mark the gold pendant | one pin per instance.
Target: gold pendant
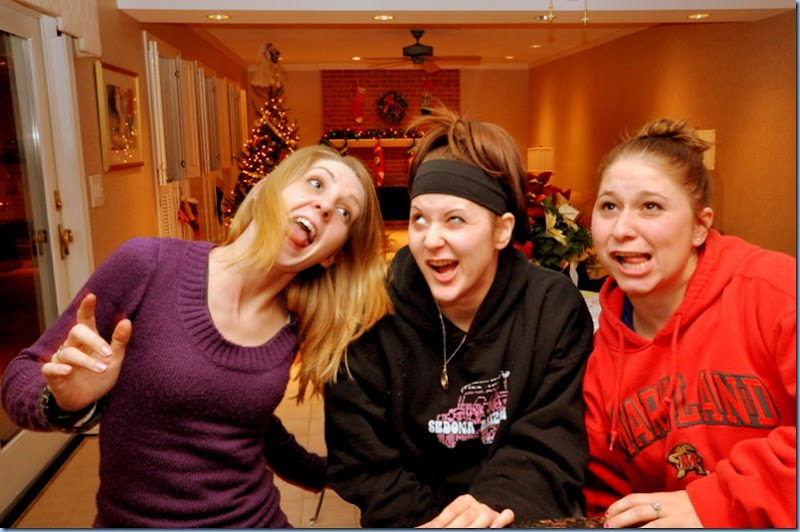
(443, 379)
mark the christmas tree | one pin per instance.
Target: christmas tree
(273, 137)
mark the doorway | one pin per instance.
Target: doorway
(34, 276)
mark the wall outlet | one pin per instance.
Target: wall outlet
(96, 188)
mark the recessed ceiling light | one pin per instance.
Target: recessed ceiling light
(509, 57)
(698, 16)
(356, 58)
(535, 45)
(383, 17)
(218, 16)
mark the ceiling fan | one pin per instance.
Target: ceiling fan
(421, 56)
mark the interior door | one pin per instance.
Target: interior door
(34, 275)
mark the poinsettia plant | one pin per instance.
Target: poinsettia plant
(556, 240)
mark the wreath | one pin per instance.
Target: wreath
(391, 107)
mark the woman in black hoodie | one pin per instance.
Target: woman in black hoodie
(463, 408)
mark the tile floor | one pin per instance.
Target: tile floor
(67, 501)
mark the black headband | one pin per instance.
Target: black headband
(465, 180)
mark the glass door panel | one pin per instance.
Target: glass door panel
(24, 253)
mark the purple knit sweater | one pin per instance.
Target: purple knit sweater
(189, 432)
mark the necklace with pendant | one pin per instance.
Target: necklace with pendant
(443, 378)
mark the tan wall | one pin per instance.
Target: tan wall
(499, 96)
(304, 104)
(738, 79)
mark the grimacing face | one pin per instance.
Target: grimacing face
(645, 230)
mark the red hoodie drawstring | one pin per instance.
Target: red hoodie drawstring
(667, 404)
(615, 399)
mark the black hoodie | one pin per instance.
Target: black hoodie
(509, 429)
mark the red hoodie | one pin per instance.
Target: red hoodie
(708, 405)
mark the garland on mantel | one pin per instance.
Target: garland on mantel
(375, 133)
(369, 134)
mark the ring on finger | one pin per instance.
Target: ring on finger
(657, 507)
(57, 353)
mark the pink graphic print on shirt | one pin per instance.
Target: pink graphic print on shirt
(480, 409)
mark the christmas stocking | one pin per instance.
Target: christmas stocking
(427, 87)
(380, 169)
(358, 103)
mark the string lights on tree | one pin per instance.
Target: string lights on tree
(273, 136)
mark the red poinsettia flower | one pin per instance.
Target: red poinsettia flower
(556, 240)
(535, 211)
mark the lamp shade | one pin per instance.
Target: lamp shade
(540, 159)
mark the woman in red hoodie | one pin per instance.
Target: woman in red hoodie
(691, 389)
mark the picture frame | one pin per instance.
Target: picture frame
(120, 117)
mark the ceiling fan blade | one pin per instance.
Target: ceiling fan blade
(387, 65)
(458, 58)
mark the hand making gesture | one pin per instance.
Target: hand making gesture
(86, 367)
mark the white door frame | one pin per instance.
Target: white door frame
(59, 72)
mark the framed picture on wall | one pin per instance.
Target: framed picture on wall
(118, 110)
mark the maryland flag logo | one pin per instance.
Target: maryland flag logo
(685, 458)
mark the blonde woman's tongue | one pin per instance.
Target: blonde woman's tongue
(301, 234)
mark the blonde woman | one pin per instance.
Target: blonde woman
(184, 350)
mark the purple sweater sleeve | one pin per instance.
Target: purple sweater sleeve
(118, 283)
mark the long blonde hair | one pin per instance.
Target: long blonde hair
(334, 305)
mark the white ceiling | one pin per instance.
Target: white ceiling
(328, 33)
